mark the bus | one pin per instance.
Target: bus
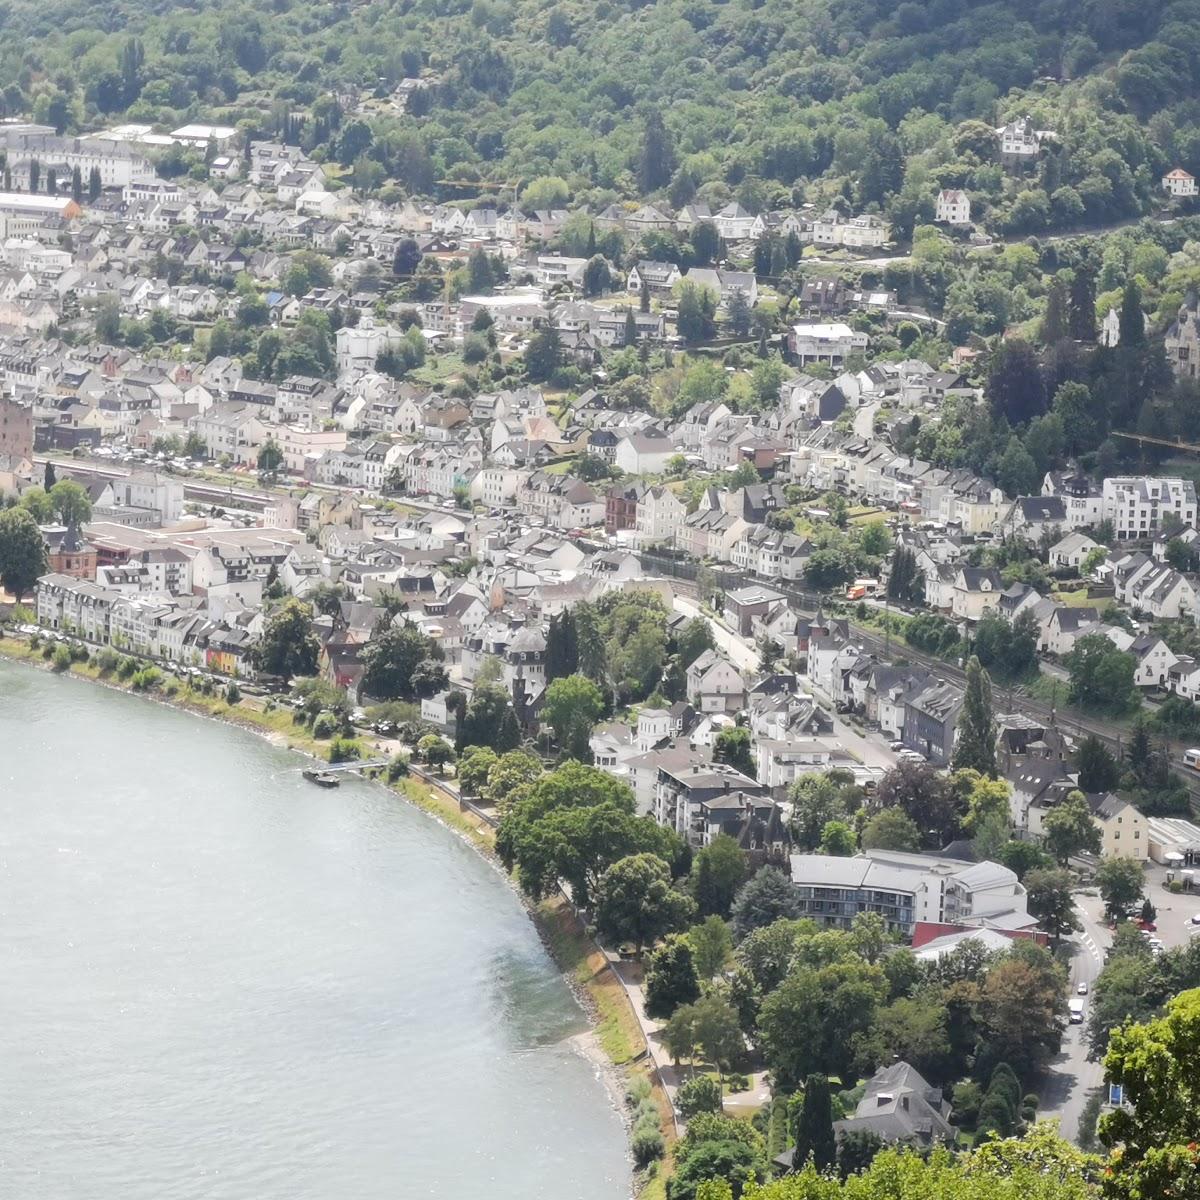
(1075, 1007)
(1191, 758)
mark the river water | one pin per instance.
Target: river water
(218, 981)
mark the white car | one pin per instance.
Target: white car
(1082, 989)
(1196, 918)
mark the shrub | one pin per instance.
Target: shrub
(397, 769)
(170, 687)
(1175, 887)
(48, 650)
(637, 1091)
(647, 1145)
(126, 668)
(737, 1083)
(344, 750)
(62, 658)
(1030, 1100)
(34, 642)
(701, 1094)
(233, 694)
(145, 679)
(107, 661)
(79, 652)
(326, 725)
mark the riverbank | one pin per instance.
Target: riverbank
(614, 1045)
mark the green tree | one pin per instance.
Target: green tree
(543, 354)
(762, 901)
(975, 740)
(1016, 472)
(656, 161)
(701, 1094)
(22, 552)
(696, 309)
(732, 746)
(512, 773)
(474, 764)
(838, 840)
(815, 1140)
(718, 870)
(1121, 882)
(671, 979)
(711, 945)
(1050, 900)
(489, 720)
(1069, 829)
(1098, 769)
(635, 901)
(1154, 1134)
(436, 751)
(288, 646)
(36, 501)
(571, 707)
(890, 829)
(1101, 676)
(71, 503)
(392, 662)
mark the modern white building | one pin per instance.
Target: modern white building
(909, 888)
(1137, 505)
(829, 342)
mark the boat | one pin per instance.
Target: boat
(321, 778)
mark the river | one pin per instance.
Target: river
(218, 981)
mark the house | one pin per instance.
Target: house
(1124, 831)
(714, 684)
(1137, 505)
(976, 592)
(658, 277)
(1154, 659)
(660, 517)
(931, 719)
(645, 453)
(679, 793)
(1032, 517)
(1182, 340)
(829, 343)
(1020, 143)
(1178, 184)
(953, 207)
(743, 605)
(734, 223)
(1068, 553)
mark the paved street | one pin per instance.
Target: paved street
(1072, 1076)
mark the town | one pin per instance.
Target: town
(847, 577)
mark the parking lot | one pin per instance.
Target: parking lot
(1175, 912)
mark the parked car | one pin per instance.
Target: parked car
(1082, 989)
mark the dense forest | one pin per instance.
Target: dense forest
(773, 103)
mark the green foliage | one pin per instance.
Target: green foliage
(701, 1094)
(571, 707)
(22, 551)
(402, 662)
(975, 743)
(288, 646)
(1101, 676)
(732, 746)
(343, 749)
(61, 658)
(815, 1141)
(636, 903)
(718, 870)
(762, 900)
(671, 979)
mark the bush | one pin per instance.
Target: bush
(48, 651)
(126, 668)
(701, 1094)
(79, 652)
(34, 642)
(638, 1090)
(1175, 887)
(344, 750)
(62, 658)
(107, 661)
(145, 679)
(397, 768)
(233, 694)
(647, 1145)
(737, 1083)
(326, 725)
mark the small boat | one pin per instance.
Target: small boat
(322, 778)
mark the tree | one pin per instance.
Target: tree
(656, 162)
(925, 796)
(905, 582)
(890, 829)
(711, 945)
(838, 840)
(37, 503)
(975, 740)
(815, 1138)
(1101, 676)
(696, 312)
(1050, 900)
(543, 354)
(700, 1094)
(1020, 1009)
(1098, 769)
(718, 870)
(636, 902)
(671, 979)
(512, 773)
(288, 645)
(1070, 830)
(407, 258)
(1132, 318)
(562, 646)
(1083, 305)
(762, 901)
(270, 457)
(435, 750)
(1121, 882)
(597, 278)
(391, 662)
(489, 720)
(94, 185)
(571, 707)
(739, 314)
(1056, 316)
(732, 746)
(474, 764)
(71, 502)
(1154, 1134)
(857, 1150)
(1014, 385)
(22, 552)
(716, 1029)
(816, 800)
(76, 185)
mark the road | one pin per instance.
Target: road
(1072, 1076)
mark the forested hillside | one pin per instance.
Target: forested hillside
(773, 102)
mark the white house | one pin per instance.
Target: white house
(953, 207)
(1179, 184)
(1137, 505)
(829, 342)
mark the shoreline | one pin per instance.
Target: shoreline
(612, 1044)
